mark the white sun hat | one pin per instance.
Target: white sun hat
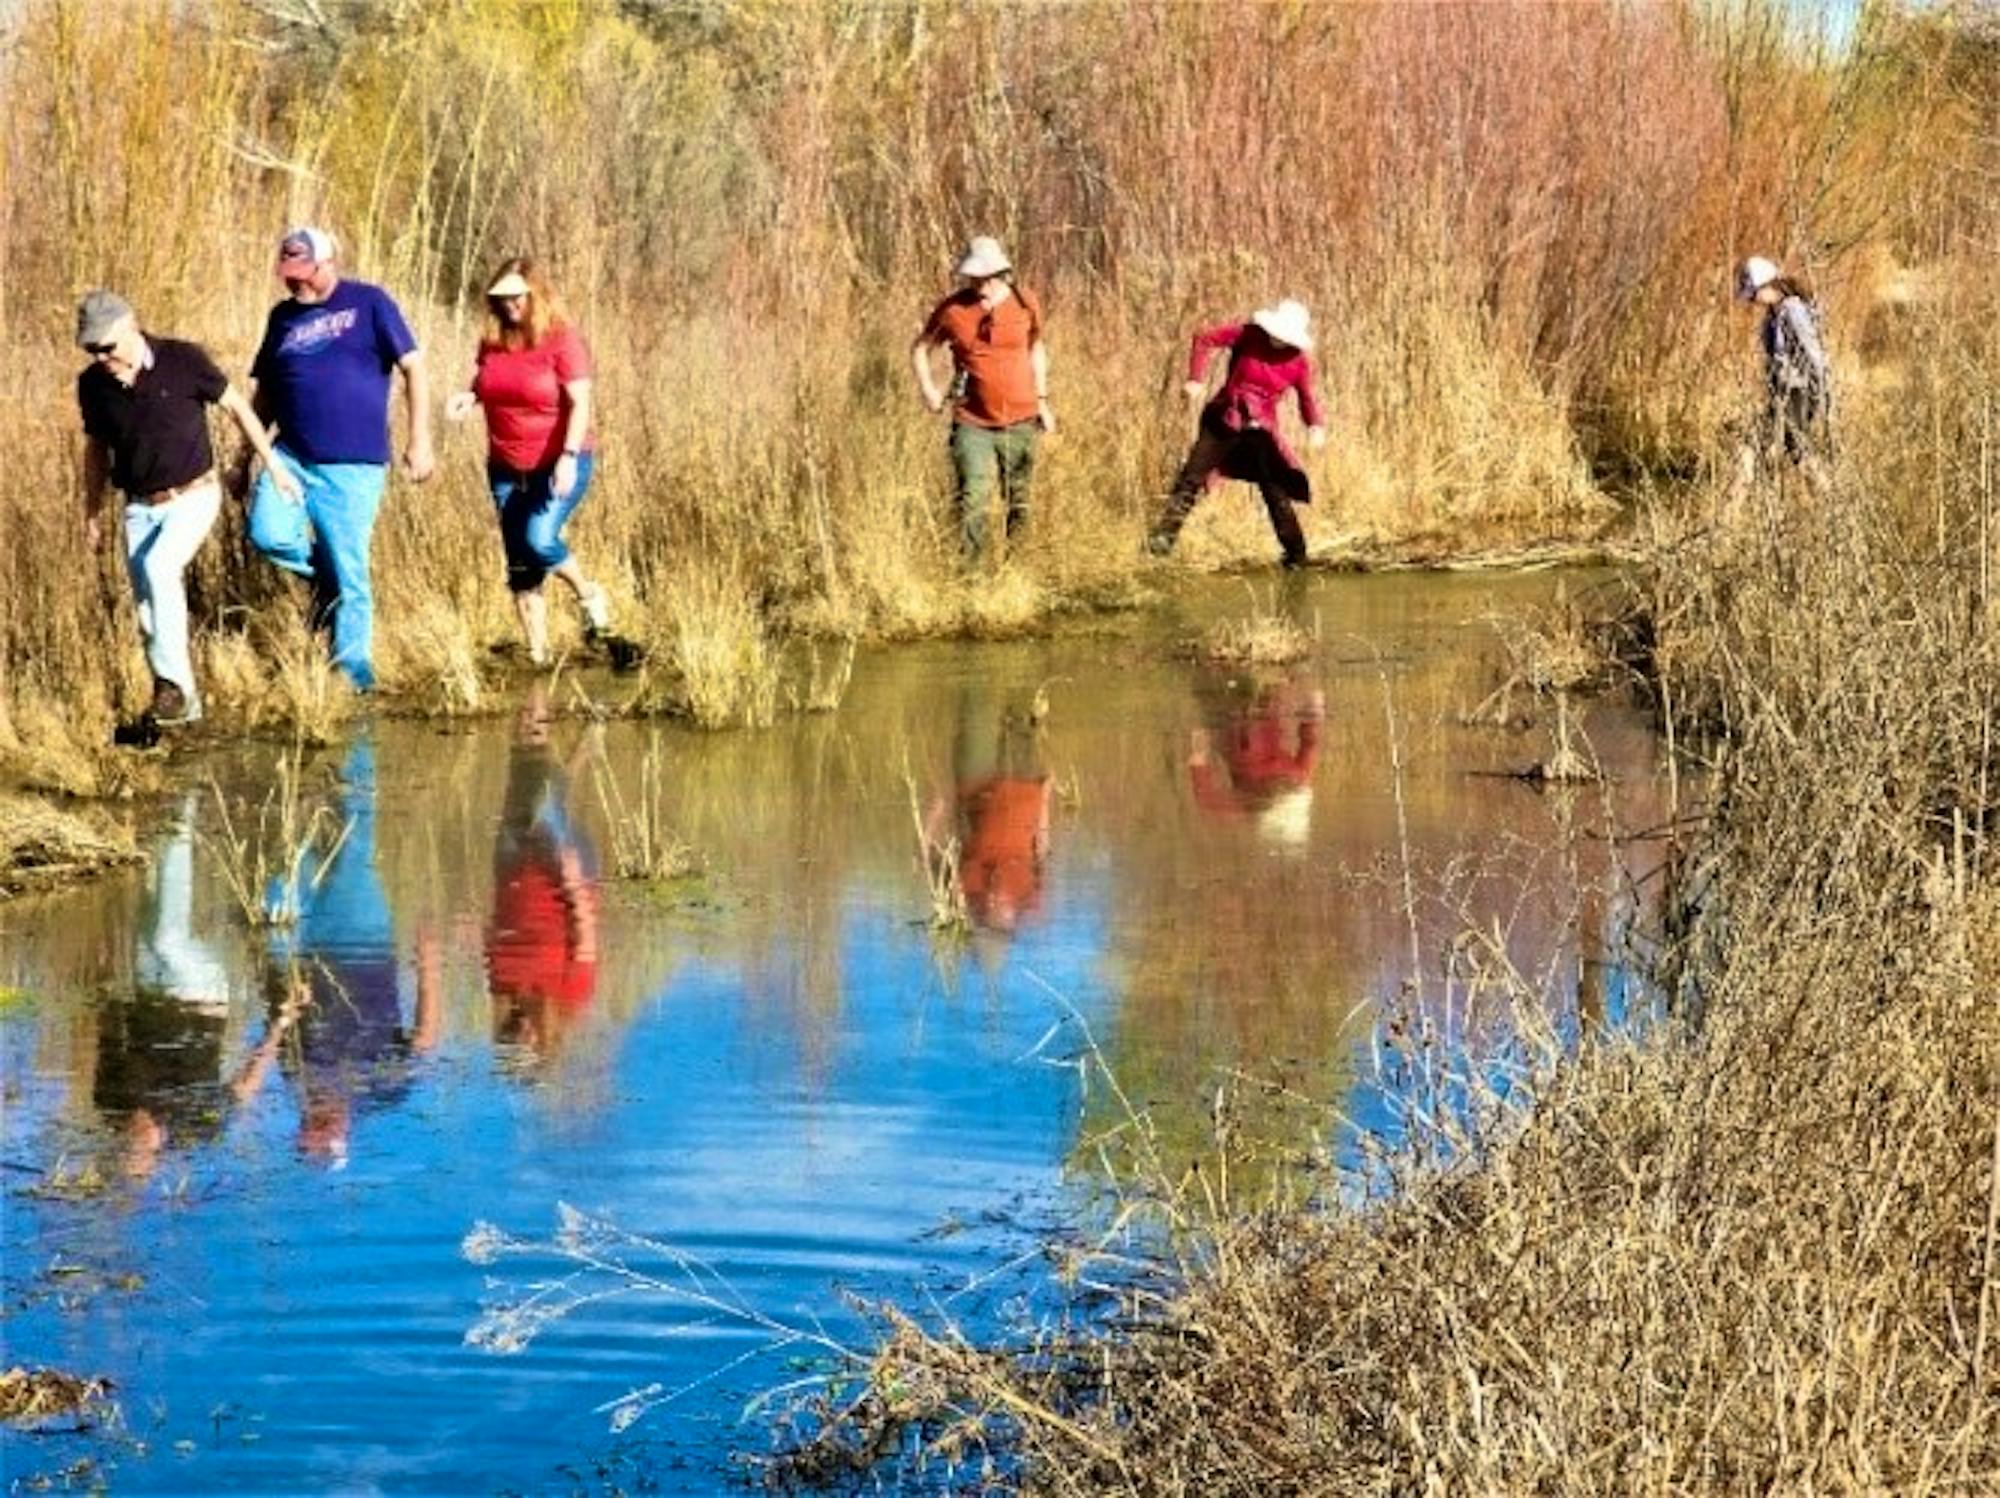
(1288, 322)
(511, 284)
(984, 257)
(1286, 824)
(1753, 276)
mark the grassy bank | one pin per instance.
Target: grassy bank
(1514, 225)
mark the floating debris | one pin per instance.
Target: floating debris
(43, 1393)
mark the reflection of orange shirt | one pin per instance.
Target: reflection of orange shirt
(1261, 763)
(532, 945)
(992, 349)
(1002, 856)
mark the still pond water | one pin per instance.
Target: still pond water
(239, 1172)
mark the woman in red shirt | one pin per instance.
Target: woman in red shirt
(1238, 435)
(533, 380)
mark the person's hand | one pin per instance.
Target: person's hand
(934, 401)
(418, 461)
(93, 531)
(1044, 415)
(286, 482)
(459, 405)
(563, 480)
(1315, 438)
(1195, 391)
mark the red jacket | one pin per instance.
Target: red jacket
(1260, 372)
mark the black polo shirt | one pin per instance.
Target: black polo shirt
(156, 427)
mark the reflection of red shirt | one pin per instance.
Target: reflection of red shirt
(522, 391)
(531, 947)
(1001, 859)
(1261, 763)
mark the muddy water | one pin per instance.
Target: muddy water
(240, 1168)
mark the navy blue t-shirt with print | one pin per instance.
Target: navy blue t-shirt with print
(323, 373)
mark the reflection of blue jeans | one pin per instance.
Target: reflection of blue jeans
(532, 518)
(346, 911)
(327, 539)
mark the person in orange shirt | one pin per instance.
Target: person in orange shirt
(1000, 390)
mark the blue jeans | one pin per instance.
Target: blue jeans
(532, 518)
(327, 539)
(160, 541)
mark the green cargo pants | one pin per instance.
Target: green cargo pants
(979, 455)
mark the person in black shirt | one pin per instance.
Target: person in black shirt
(144, 402)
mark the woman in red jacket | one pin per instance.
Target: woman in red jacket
(533, 380)
(1238, 435)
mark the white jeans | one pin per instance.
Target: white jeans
(171, 958)
(160, 540)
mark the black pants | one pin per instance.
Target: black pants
(1797, 417)
(1251, 454)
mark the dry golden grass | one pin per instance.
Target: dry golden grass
(42, 845)
(1266, 636)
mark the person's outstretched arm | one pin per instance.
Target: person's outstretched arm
(252, 426)
(418, 461)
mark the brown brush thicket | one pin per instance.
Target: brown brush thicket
(1514, 225)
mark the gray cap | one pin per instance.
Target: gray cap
(99, 314)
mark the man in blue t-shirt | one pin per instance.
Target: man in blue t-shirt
(322, 377)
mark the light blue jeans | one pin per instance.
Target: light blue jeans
(160, 540)
(327, 539)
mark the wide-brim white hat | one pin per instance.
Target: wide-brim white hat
(1287, 822)
(983, 257)
(1288, 322)
(1753, 275)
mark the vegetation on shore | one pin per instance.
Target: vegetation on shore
(1514, 226)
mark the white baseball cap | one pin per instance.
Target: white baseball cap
(1753, 276)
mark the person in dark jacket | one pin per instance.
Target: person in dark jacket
(1798, 382)
(145, 403)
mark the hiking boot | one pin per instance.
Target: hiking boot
(596, 610)
(171, 705)
(1158, 545)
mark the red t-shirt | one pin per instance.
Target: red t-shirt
(533, 949)
(522, 391)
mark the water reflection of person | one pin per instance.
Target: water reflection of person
(1002, 794)
(336, 971)
(1254, 754)
(159, 1052)
(541, 942)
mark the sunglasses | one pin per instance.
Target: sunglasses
(99, 350)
